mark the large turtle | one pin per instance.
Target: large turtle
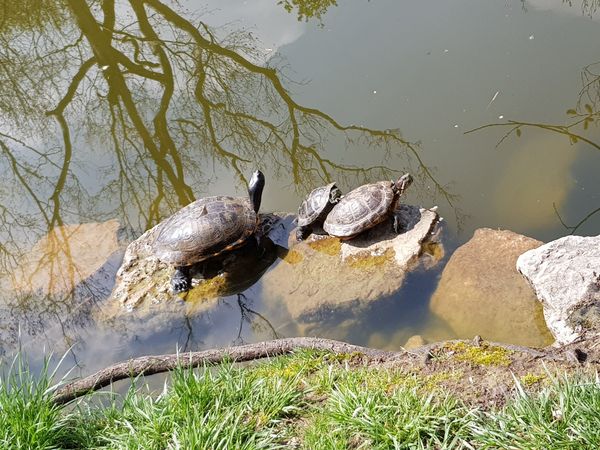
(365, 207)
(315, 207)
(206, 228)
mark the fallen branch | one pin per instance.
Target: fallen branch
(149, 365)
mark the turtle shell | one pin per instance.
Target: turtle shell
(314, 205)
(360, 209)
(204, 228)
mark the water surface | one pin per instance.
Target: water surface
(131, 112)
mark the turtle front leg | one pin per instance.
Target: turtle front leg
(302, 233)
(181, 280)
(260, 245)
(398, 225)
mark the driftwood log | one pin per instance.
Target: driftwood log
(149, 365)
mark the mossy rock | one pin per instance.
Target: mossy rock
(324, 276)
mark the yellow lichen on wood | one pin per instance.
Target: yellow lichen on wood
(437, 379)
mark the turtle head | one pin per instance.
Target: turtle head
(255, 188)
(403, 182)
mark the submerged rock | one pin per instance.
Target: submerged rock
(481, 293)
(395, 341)
(324, 277)
(414, 342)
(68, 256)
(54, 288)
(565, 275)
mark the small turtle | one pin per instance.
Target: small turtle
(315, 207)
(206, 228)
(365, 207)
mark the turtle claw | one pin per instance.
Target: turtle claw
(181, 281)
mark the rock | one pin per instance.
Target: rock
(481, 293)
(54, 288)
(528, 199)
(565, 275)
(414, 342)
(143, 282)
(396, 341)
(324, 277)
(378, 340)
(68, 256)
(576, 356)
(405, 246)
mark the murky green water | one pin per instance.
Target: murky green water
(125, 111)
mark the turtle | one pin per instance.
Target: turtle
(205, 228)
(365, 207)
(315, 207)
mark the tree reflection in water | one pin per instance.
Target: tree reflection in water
(148, 102)
(307, 9)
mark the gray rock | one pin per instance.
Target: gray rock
(565, 275)
(314, 280)
(405, 246)
(324, 277)
(481, 293)
(142, 283)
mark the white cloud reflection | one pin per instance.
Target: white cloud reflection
(582, 8)
(265, 19)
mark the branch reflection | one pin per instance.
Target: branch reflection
(577, 128)
(257, 321)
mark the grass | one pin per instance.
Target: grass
(310, 400)
(28, 419)
(564, 415)
(226, 408)
(380, 420)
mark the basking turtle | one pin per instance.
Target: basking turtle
(315, 207)
(206, 228)
(365, 207)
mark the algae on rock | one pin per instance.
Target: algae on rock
(323, 275)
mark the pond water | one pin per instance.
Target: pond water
(117, 114)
